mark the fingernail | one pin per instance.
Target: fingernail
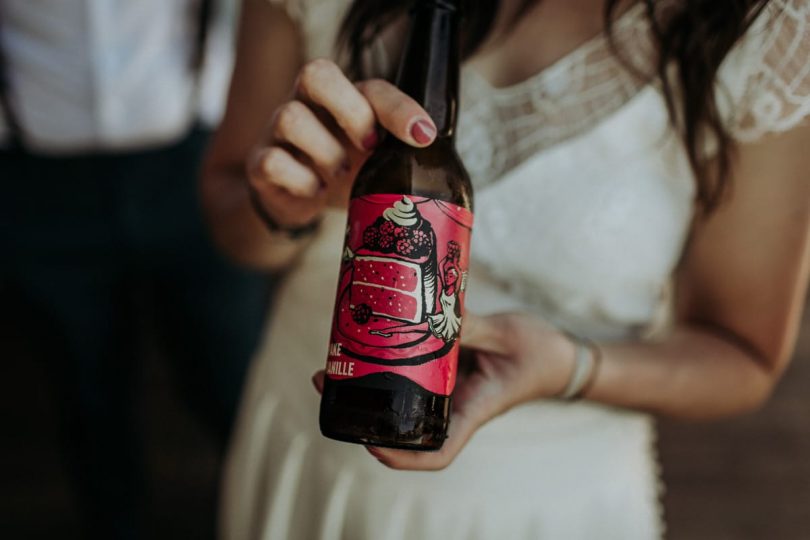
(373, 451)
(371, 140)
(423, 132)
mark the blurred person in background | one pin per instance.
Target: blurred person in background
(641, 185)
(106, 110)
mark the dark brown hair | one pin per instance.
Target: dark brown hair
(694, 36)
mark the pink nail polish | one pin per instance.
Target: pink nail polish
(371, 140)
(423, 132)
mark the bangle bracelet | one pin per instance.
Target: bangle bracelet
(597, 363)
(588, 359)
(293, 233)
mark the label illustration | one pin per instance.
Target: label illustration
(401, 290)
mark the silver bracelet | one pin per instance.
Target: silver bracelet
(584, 369)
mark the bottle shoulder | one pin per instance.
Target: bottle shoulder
(435, 171)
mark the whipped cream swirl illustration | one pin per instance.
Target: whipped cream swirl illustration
(403, 213)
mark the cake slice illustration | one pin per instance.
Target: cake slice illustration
(402, 280)
(394, 271)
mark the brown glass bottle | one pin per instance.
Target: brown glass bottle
(385, 407)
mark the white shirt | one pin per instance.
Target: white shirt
(89, 75)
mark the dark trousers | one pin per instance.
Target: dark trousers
(95, 246)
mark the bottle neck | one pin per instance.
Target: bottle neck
(429, 70)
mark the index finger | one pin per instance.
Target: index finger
(323, 83)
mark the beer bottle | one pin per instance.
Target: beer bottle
(392, 358)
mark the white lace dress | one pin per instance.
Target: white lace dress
(583, 201)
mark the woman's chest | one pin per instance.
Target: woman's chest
(601, 217)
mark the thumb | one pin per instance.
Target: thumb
(399, 113)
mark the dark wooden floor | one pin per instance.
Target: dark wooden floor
(745, 479)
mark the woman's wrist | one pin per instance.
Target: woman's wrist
(561, 353)
(289, 232)
(587, 360)
(571, 366)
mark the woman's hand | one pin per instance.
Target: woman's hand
(506, 360)
(320, 138)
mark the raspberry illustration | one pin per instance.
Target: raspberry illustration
(420, 238)
(404, 247)
(361, 313)
(421, 243)
(386, 241)
(402, 232)
(453, 250)
(387, 228)
(371, 236)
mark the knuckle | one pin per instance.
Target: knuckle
(328, 154)
(314, 71)
(271, 164)
(334, 158)
(289, 117)
(403, 110)
(299, 191)
(361, 123)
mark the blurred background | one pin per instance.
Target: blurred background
(743, 479)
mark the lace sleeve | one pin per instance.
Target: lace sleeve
(767, 77)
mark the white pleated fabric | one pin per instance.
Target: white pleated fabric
(581, 224)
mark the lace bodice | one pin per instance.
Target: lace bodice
(583, 197)
(560, 102)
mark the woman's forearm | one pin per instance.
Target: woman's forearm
(269, 55)
(695, 373)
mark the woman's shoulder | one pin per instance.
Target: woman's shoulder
(764, 83)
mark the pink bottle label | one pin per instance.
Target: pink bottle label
(401, 290)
